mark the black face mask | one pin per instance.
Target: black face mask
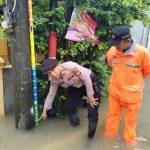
(124, 50)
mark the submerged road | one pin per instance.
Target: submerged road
(57, 134)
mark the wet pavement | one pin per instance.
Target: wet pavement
(57, 134)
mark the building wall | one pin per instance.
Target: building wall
(7, 79)
(141, 34)
(8, 90)
(3, 48)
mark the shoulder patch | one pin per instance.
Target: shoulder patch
(76, 71)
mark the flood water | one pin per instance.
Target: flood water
(57, 134)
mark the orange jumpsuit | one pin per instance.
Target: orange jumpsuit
(125, 89)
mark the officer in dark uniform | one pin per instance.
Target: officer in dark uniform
(80, 81)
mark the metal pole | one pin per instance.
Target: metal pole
(52, 44)
(70, 8)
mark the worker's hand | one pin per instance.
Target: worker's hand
(43, 115)
(93, 102)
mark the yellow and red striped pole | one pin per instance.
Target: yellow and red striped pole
(33, 63)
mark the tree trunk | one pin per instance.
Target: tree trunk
(21, 68)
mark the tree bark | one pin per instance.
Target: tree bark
(21, 68)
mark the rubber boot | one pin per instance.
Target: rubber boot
(92, 129)
(74, 119)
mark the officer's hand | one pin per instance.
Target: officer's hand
(43, 115)
(93, 102)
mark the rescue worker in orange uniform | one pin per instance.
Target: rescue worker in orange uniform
(130, 65)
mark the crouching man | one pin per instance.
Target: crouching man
(80, 81)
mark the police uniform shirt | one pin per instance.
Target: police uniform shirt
(72, 74)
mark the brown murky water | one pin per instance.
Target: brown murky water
(57, 134)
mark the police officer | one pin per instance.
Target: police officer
(80, 81)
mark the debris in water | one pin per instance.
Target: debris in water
(116, 146)
(141, 139)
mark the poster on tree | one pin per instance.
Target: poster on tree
(82, 27)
